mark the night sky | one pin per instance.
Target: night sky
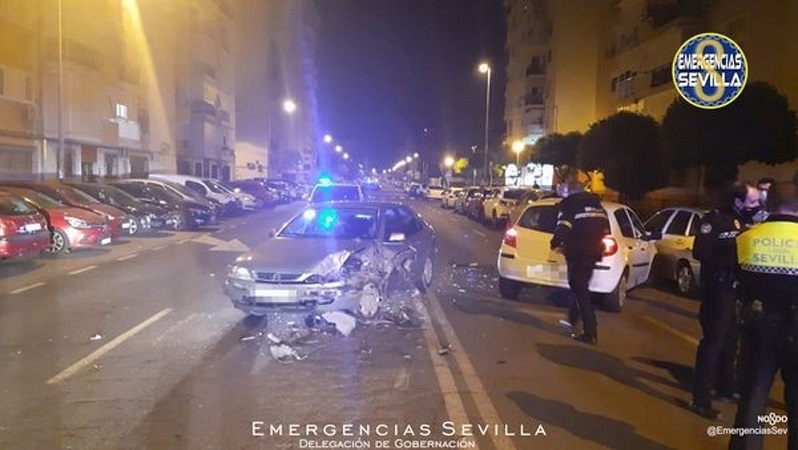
(390, 68)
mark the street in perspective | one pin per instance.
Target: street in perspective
(516, 224)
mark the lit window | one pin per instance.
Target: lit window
(121, 111)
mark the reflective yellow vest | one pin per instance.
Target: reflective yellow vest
(771, 247)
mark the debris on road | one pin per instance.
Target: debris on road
(445, 350)
(285, 353)
(370, 300)
(343, 322)
(96, 337)
(247, 338)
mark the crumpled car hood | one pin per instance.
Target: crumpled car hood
(288, 255)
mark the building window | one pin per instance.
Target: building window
(198, 169)
(661, 75)
(121, 111)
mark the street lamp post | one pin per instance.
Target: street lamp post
(60, 153)
(485, 68)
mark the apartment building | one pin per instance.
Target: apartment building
(605, 56)
(205, 73)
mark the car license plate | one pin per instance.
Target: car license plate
(126, 225)
(105, 241)
(31, 227)
(275, 293)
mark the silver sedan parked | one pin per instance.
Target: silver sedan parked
(334, 256)
(674, 261)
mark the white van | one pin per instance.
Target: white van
(201, 187)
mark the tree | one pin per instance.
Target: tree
(624, 147)
(460, 165)
(559, 150)
(758, 126)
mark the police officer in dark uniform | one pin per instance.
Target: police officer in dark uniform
(581, 225)
(715, 248)
(768, 261)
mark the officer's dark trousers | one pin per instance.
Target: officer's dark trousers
(580, 270)
(768, 339)
(714, 362)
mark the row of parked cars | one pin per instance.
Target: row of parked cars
(57, 217)
(660, 247)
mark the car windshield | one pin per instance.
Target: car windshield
(13, 206)
(115, 195)
(335, 194)
(338, 223)
(170, 185)
(217, 187)
(76, 195)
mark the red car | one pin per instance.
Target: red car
(118, 221)
(70, 227)
(23, 229)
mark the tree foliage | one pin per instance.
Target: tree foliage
(557, 149)
(625, 148)
(758, 126)
(460, 165)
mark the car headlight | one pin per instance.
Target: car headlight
(74, 222)
(240, 273)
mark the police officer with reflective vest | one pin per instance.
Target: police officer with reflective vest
(715, 248)
(581, 226)
(768, 260)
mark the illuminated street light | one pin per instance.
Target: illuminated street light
(518, 147)
(415, 155)
(449, 161)
(338, 149)
(409, 159)
(346, 155)
(328, 139)
(289, 106)
(484, 68)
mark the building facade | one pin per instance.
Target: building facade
(275, 45)
(606, 56)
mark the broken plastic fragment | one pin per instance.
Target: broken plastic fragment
(273, 338)
(462, 290)
(443, 351)
(343, 322)
(473, 264)
(96, 337)
(285, 353)
(369, 300)
(247, 338)
(407, 356)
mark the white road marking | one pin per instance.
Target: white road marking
(479, 233)
(125, 258)
(187, 240)
(97, 354)
(484, 406)
(402, 380)
(85, 269)
(451, 397)
(160, 247)
(663, 326)
(27, 288)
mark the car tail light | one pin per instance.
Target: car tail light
(510, 237)
(609, 246)
(6, 228)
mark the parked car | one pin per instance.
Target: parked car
(185, 213)
(118, 221)
(449, 197)
(23, 229)
(146, 216)
(461, 201)
(203, 188)
(435, 192)
(70, 228)
(257, 189)
(331, 192)
(525, 256)
(674, 261)
(246, 202)
(496, 207)
(417, 191)
(322, 258)
(474, 205)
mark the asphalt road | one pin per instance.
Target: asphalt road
(135, 346)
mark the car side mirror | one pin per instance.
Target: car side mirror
(272, 233)
(396, 237)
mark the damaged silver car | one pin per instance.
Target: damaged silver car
(335, 257)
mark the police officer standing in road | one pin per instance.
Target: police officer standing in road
(581, 225)
(715, 248)
(768, 261)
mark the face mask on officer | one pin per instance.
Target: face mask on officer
(748, 205)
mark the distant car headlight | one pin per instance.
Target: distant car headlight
(240, 273)
(74, 222)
